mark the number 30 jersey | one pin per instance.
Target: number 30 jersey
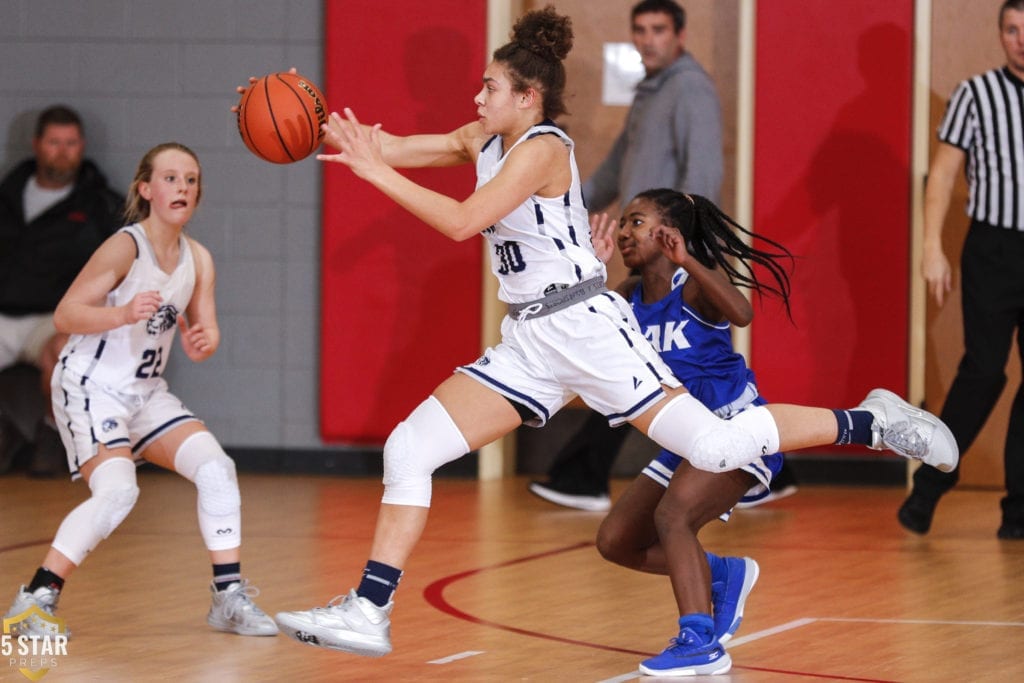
(131, 359)
(543, 245)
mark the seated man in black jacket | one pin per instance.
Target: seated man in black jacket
(55, 209)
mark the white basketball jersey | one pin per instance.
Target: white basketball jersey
(131, 359)
(546, 240)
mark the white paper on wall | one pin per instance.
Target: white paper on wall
(622, 71)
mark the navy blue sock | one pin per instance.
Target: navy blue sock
(854, 427)
(379, 582)
(226, 574)
(44, 577)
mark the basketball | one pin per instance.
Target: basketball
(279, 117)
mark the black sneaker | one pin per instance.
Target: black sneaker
(10, 441)
(916, 512)
(1010, 531)
(592, 501)
(49, 459)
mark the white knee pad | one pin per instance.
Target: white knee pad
(421, 443)
(686, 427)
(201, 460)
(114, 492)
(760, 423)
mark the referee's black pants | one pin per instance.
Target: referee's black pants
(992, 270)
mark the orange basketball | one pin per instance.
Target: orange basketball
(279, 117)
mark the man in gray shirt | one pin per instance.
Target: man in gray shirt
(672, 138)
(673, 134)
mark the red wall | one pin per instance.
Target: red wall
(400, 303)
(832, 183)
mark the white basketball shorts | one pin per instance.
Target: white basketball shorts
(88, 415)
(593, 349)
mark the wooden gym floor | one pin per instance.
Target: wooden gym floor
(505, 586)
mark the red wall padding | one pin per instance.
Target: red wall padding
(400, 304)
(832, 183)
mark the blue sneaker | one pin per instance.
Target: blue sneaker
(694, 652)
(729, 594)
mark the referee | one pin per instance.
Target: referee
(984, 124)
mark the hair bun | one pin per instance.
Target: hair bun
(545, 33)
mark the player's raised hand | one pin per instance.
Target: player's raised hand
(359, 146)
(673, 245)
(242, 88)
(602, 231)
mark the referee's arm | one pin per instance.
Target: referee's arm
(937, 195)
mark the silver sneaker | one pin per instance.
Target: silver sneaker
(234, 611)
(351, 624)
(909, 431)
(44, 598)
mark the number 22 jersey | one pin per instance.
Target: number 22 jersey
(130, 359)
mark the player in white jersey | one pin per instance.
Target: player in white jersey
(130, 359)
(112, 406)
(565, 334)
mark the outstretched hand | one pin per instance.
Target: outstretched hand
(359, 146)
(194, 340)
(602, 229)
(242, 88)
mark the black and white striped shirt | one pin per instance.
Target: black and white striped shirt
(985, 118)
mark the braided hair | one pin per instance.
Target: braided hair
(711, 238)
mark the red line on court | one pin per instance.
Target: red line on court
(434, 594)
(26, 544)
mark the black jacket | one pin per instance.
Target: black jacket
(39, 260)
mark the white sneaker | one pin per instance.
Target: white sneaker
(353, 625)
(909, 431)
(233, 611)
(45, 598)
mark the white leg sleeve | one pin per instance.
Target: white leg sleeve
(759, 422)
(686, 427)
(114, 492)
(201, 460)
(421, 443)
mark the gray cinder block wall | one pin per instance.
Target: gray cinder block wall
(143, 72)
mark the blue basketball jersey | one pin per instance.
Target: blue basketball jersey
(699, 353)
(701, 356)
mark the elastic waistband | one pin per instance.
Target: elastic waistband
(556, 301)
(739, 403)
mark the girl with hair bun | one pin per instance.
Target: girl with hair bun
(565, 334)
